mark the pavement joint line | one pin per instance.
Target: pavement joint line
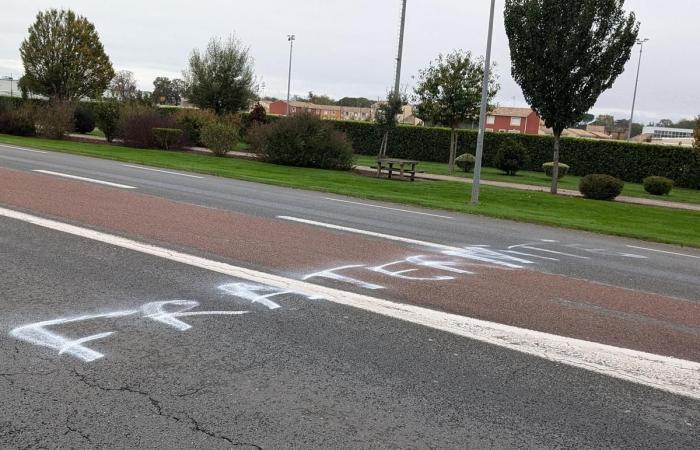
(663, 251)
(665, 373)
(372, 233)
(162, 171)
(386, 207)
(90, 180)
(22, 148)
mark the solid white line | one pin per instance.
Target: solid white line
(91, 180)
(162, 171)
(669, 374)
(386, 207)
(22, 148)
(513, 252)
(372, 233)
(662, 251)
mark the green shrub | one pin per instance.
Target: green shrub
(658, 185)
(107, 118)
(191, 121)
(549, 168)
(19, 122)
(466, 162)
(55, 119)
(220, 138)
(258, 115)
(167, 138)
(600, 187)
(83, 119)
(136, 124)
(306, 141)
(511, 157)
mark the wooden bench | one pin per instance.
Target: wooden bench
(389, 164)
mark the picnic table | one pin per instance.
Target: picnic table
(389, 164)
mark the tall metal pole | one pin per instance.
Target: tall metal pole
(636, 84)
(482, 114)
(399, 58)
(291, 39)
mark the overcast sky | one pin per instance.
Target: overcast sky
(347, 47)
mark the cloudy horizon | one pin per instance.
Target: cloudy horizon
(348, 48)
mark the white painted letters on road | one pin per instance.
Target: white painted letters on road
(332, 275)
(156, 311)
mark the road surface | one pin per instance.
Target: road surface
(153, 308)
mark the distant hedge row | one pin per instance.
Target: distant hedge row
(627, 161)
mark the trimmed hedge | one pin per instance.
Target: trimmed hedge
(600, 187)
(658, 185)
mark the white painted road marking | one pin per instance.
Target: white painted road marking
(90, 180)
(662, 372)
(386, 207)
(161, 171)
(663, 251)
(22, 148)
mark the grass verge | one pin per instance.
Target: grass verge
(635, 221)
(680, 195)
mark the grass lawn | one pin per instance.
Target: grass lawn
(680, 195)
(643, 222)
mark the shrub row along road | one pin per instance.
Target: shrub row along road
(150, 308)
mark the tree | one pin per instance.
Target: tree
(63, 57)
(622, 125)
(386, 118)
(449, 93)
(359, 102)
(221, 78)
(605, 120)
(666, 123)
(565, 54)
(318, 99)
(697, 132)
(123, 86)
(167, 91)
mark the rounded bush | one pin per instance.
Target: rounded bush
(306, 141)
(220, 138)
(167, 138)
(84, 119)
(549, 168)
(658, 185)
(511, 157)
(600, 187)
(466, 162)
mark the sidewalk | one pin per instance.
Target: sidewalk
(529, 187)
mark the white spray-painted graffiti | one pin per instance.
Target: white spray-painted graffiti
(252, 292)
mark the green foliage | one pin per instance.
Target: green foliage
(136, 124)
(306, 141)
(564, 54)
(167, 91)
(658, 185)
(122, 87)
(466, 162)
(697, 133)
(600, 187)
(167, 138)
(548, 168)
(63, 57)
(191, 121)
(258, 114)
(221, 78)
(18, 121)
(358, 102)
(55, 119)
(220, 138)
(107, 118)
(511, 157)
(83, 119)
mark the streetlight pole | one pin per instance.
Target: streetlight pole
(291, 38)
(399, 58)
(482, 114)
(641, 43)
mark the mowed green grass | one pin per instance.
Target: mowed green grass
(680, 195)
(643, 222)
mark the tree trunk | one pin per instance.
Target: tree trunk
(555, 160)
(453, 150)
(383, 147)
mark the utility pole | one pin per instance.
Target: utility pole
(291, 38)
(399, 58)
(482, 114)
(641, 43)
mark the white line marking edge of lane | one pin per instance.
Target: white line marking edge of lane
(387, 207)
(89, 180)
(153, 169)
(23, 148)
(663, 251)
(661, 372)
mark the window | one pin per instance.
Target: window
(515, 121)
(491, 120)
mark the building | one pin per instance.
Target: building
(513, 120)
(330, 112)
(668, 136)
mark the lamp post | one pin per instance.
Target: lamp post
(291, 38)
(641, 43)
(482, 114)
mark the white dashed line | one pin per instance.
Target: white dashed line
(386, 207)
(90, 180)
(161, 171)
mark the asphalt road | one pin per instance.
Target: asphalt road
(133, 320)
(657, 268)
(310, 374)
